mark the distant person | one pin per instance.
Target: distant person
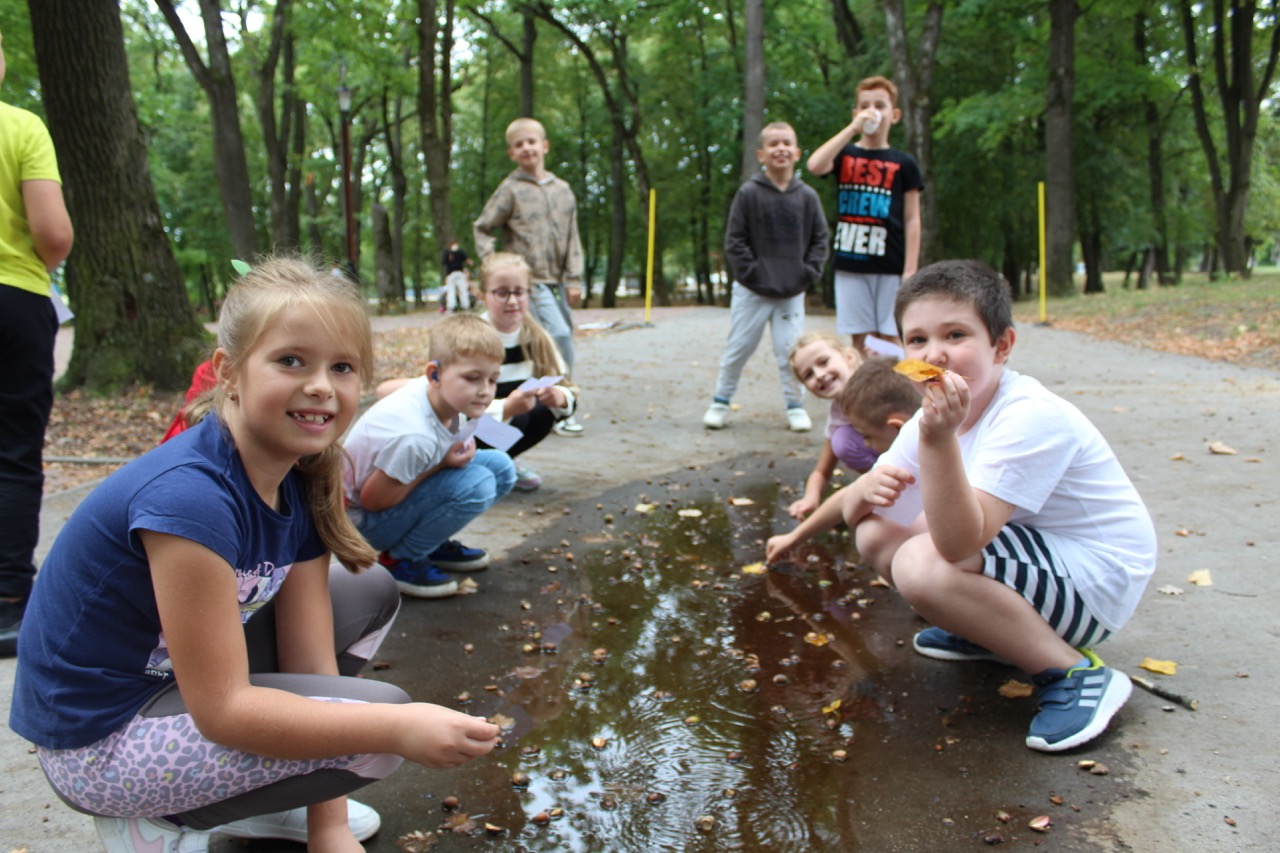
(877, 240)
(35, 238)
(1000, 513)
(457, 286)
(775, 245)
(188, 661)
(535, 215)
(410, 486)
(874, 404)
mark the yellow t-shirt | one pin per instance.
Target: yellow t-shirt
(26, 154)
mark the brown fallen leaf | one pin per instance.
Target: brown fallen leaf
(917, 370)
(741, 501)
(1178, 457)
(1014, 689)
(1221, 449)
(1164, 667)
(1040, 824)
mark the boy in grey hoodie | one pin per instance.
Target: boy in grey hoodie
(775, 245)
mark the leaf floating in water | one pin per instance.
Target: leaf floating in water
(416, 842)
(832, 708)
(689, 513)
(754, 569)
(1015, 689)
(1221, 449)
(741, 501)
(1164, 667)
(813, 638)
(644, 509)
(917, 370)
(503, 722)
(1200, 577)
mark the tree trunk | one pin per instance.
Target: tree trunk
(914, 78)
(392, 124)
(383, 258)
(754, 82)
(218, 82)
(1060, 204)
(617, 219)
(134, 321)
(435, 112)
(1155, 159)
(528, 36)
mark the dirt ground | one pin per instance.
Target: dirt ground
(1187, 781)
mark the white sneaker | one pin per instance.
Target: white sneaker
(569, 427)
(798, 420)
(292, 825)
(716, 416)
(149, 835)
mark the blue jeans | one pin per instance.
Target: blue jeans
(440, 506)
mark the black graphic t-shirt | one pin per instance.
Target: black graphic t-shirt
(869, 235)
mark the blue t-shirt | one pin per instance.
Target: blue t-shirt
(91, 651)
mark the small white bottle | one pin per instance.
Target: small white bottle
(872, 123)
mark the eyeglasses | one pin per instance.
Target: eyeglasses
(504, 295)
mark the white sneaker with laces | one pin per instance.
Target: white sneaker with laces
(149, 835)
(798, 420)
(292, 825)
(716, 416)
(569, 427)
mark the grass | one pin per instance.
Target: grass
(1235, 320)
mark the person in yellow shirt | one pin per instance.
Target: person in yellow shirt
(35, 238)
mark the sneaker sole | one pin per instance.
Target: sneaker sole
(443, 590)
(1117, 693)
(948, 655)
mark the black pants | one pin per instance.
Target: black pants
(28, 327)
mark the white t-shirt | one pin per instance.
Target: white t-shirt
(1038, 452)
(400, 435)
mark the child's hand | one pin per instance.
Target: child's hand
(573, 295)
(518, 402)
(800, 509)
(459, 455)
(441, 737)
(882, 485)
(778, 546)
(553, 397)
(945, 404)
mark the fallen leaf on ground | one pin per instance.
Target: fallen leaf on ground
(1015, 689)
(1169, 589)
(1178, 457)
(832, 708)
(467, 586)
(1041, 824)
(1221, 449)
(1164, 667)
(1200, 577)
(1182, 531)
(644, 509)
(689, 513)
(754, 569)
(879, 581)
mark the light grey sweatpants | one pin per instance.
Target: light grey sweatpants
(550, 305)
(749, 312)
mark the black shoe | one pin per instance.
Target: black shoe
(10, 621)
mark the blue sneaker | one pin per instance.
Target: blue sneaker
(456, 557)
(1075, 706)
(933, 642)
(420, 580)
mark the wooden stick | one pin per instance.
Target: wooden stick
(1151, 687)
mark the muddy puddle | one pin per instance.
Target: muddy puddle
(661, 691)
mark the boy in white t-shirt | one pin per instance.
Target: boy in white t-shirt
(1000, 512)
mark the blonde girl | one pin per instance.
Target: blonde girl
(206, 564)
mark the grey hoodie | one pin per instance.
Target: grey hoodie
(776, 240)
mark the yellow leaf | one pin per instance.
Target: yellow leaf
(1164, 667)
(644, 509)
(689, 513)
(754, 569)
(832, 708)
(1015, 689)
(1221, 449)
(741, 501)
(917, 370)
(813, 638)
(1200, 577)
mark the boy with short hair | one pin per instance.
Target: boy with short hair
(877, 238)
(1001, 514)
(775, 245)
(536, 216)
(409, 486)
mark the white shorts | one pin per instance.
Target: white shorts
(864, 303)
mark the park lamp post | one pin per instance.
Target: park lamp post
(344, 107)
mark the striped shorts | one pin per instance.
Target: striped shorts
(1024, 560)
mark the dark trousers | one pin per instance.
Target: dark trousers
(28, 327)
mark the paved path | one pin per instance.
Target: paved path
(645, 388)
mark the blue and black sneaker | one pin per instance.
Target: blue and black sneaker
(1075, 706)
(456, 557)
(420, 580)
(933, 642)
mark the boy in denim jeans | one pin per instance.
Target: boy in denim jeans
(410, 485)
